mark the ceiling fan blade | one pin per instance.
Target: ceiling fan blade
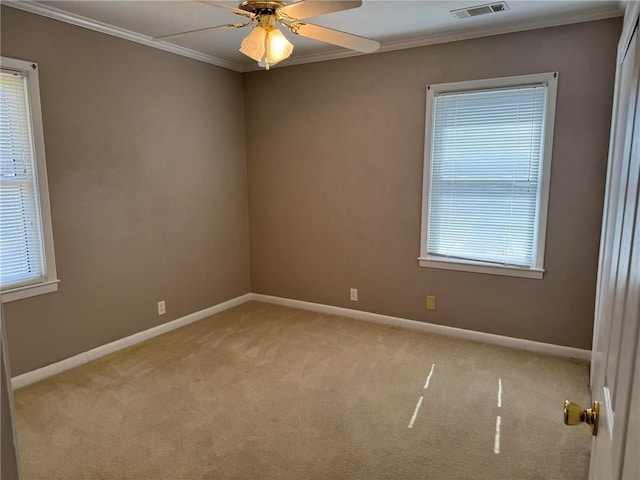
(235, 10)
(335, 37)
(313, 8)
(199, 30)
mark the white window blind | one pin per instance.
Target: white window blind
(21, 240)
(485, 178)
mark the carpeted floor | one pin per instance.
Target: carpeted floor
(267, 392)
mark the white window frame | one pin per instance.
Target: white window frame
(50, 282)
(537, 271)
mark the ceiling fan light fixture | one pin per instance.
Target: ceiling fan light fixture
(266, 44)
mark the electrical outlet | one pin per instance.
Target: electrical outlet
(353, 294)
(431, 302)
(161, 308)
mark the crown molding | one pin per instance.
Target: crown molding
(80, 21)
(545, 22)
(615, 10)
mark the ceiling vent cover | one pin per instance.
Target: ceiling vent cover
(480, 10)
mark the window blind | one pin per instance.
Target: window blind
(486, 156)
(21, 248)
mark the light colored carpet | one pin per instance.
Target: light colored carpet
(267, 392)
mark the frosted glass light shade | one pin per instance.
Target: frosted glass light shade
(254, 44)
(278, 47)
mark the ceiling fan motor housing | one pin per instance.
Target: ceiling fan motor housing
(261, 8)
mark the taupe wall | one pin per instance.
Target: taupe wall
(147, 174)
(335, 155)
(147, 170)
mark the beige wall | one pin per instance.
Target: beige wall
(335, 155)
(147, 171)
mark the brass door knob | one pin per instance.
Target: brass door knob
(574, 414)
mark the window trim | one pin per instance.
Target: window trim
(50, 282)
(434, 261)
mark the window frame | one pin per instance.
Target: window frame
(433, 261)
(50, 281)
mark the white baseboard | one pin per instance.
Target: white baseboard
(530, 345)
(84, 357)
(95, 353)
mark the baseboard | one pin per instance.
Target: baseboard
(530, 345)
(95, 353)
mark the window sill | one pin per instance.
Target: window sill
(19, 293)
(478, 267)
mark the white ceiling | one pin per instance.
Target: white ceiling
(394, 23)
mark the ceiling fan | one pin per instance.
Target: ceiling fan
(267, 45)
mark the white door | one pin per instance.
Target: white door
(615, 362)
(9, 462)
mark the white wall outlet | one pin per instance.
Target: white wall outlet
(161, 308)
(353, 294)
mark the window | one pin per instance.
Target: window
(27, 265)
(486, 175)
